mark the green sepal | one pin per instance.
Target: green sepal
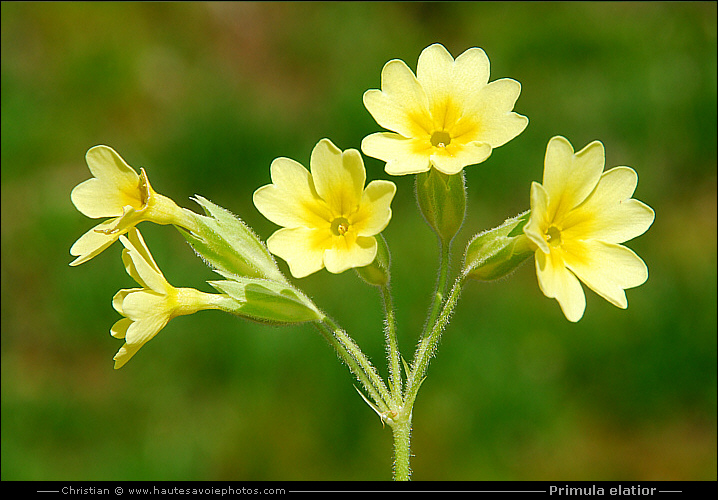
(407, 370)
(497, 252)
(377, 273)
(267, 301)
(442, 201)
(227, 244)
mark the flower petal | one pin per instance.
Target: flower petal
(291, 200)
(606, 268)
(471, 71)
(346, 253)
(452, 159)
(609, 213)
(95, 199)
(558, 282)
(492, 109)
(143, 303)
(537, 225)
(125, 354)
(119, 329)
(434, 72)
(114, 186)
(402, 105)
(119, 298)
(93, 242)
(569, 178)
(107, 165)
(142, 266)
(375, 208)
(302, 248)
(137, 335)
(338, 177)
(402, 156)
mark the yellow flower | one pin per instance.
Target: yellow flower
(579, 217)
(447, 116)
(329, 219)
(117, 191)
(148, 309)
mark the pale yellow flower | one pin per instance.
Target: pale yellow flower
(148, 309)
(579, 217)
(117, 191)
(330, 220)
(447, 116)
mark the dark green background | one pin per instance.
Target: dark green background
(205, 96)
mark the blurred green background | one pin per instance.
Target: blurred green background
(205, 96)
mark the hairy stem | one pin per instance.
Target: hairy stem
(358, 363)
(445, 254)
(392, 345)
(402, 447)
(428, 344)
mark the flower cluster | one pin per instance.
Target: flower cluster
(439, 120)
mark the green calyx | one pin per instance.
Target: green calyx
(497, 252)
(442, 201)
(267, 301)
(377, 273)
(227, 244)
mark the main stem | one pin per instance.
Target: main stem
(401, 424)
(402, 447)
(394, 405)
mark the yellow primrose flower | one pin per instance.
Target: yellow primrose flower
(329, 218)
(117, 191)
(148, 309)
(579, 217)
(447, 116)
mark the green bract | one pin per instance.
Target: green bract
(497, 252)
(228, 244)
